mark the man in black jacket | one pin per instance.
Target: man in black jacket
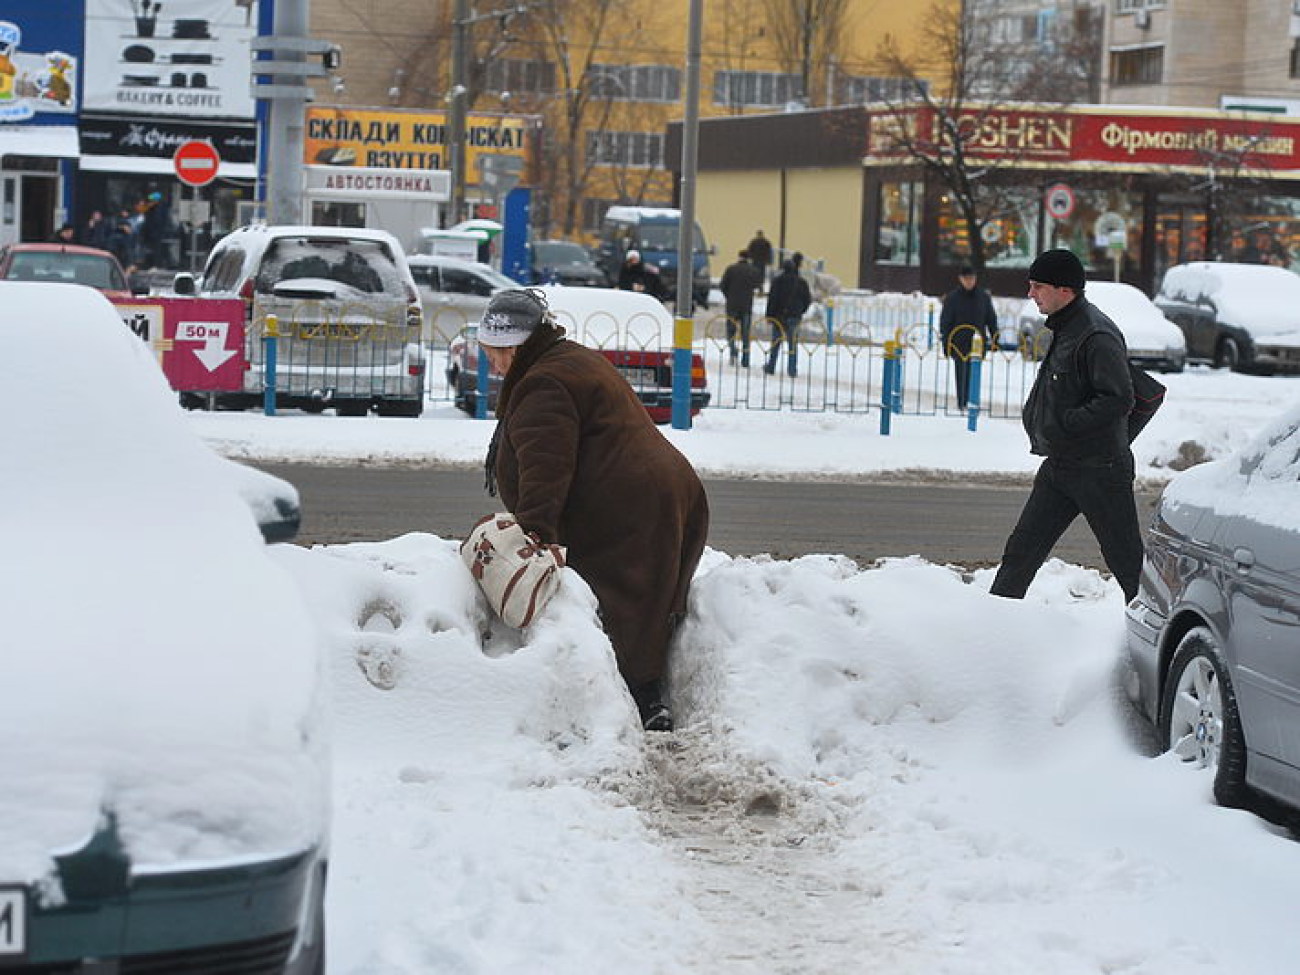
(967, 312)
(1077, 418)
(787, 300)
(740, 281)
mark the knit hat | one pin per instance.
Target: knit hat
(1058, 267)
(510, 318)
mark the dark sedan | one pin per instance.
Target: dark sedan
(564, 262)
(1214, 633)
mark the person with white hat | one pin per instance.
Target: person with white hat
(578, 461)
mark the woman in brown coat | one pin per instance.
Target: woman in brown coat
(578, 461)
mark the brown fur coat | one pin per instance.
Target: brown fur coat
(579, 461)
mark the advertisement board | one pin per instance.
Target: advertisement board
(199, 341)
(36, 77)
(179, 57)
(375, 138)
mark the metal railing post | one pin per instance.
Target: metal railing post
(484, 382)
(887, 392)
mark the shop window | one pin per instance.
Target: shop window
(1086, 230)
(1009, 232)
(1137, 66)
(898, 231)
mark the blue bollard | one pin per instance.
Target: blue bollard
(973, 399)
(270, 343)
(887, 387)
(830, 321)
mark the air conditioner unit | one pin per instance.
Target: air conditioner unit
(1142, 18)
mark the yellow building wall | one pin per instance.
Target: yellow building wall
(823, 210)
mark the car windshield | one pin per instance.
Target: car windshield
(365, 265)
(663, 237)
(560, 254)
(63, 267)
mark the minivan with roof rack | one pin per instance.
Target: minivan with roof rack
(347, 314)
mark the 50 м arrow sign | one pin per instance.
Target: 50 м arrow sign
(214, 353)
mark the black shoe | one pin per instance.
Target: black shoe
(769, 370)
(657, 717)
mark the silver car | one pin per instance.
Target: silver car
(1214, 633)
(455, 292)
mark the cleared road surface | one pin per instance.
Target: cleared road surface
(953, 523)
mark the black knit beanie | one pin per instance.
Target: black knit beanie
(1058, 267)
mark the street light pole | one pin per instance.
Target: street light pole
(458, 96)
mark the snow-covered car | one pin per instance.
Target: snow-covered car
(1154, 342)
(349, 320)
(164, 761)
(1212, 634)
(631, 329)
(1243, 316)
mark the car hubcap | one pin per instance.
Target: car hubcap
(1196, 728)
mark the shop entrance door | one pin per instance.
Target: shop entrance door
(39, 200)
(1180, 234)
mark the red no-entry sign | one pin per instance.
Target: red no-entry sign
(196, 162)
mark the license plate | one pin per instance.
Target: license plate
(13, 921)
(640, 375)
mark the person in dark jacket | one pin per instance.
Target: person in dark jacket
(1076, 416)
(760, 252)
(578, 460)
(637, 275)
(739, 283)
(967, 312)
(787, 301)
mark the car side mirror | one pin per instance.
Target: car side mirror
(184, 284)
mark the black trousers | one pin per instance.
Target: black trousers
(1063, 490)
(961, 373)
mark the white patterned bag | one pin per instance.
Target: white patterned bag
(516, 571)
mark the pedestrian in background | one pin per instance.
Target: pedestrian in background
(739, 283)
(967, 312)
(787, 300)
(760, 252)
(637, 275)
(1076, 416)
(579, 462)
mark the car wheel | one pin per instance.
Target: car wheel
(1228, 353)
(352, 407)
(403, 407)
(1199, 719)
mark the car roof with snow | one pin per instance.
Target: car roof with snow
(1260, 298)
(604, 318)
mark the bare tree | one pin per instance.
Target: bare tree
(959, 92)
(806, 35)
(567, 36)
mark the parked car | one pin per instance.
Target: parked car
(564, 262)
(1154, 342)
(1212, 633)
(454, 293)
(66, 264)
(348, 313)
(1243, 316)
(632, 330)
(164, 762)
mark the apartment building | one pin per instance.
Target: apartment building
(603, 78)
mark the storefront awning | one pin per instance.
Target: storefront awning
(153, 166)
(50, 141)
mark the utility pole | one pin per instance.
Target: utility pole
(458, 98)
(281, 80)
